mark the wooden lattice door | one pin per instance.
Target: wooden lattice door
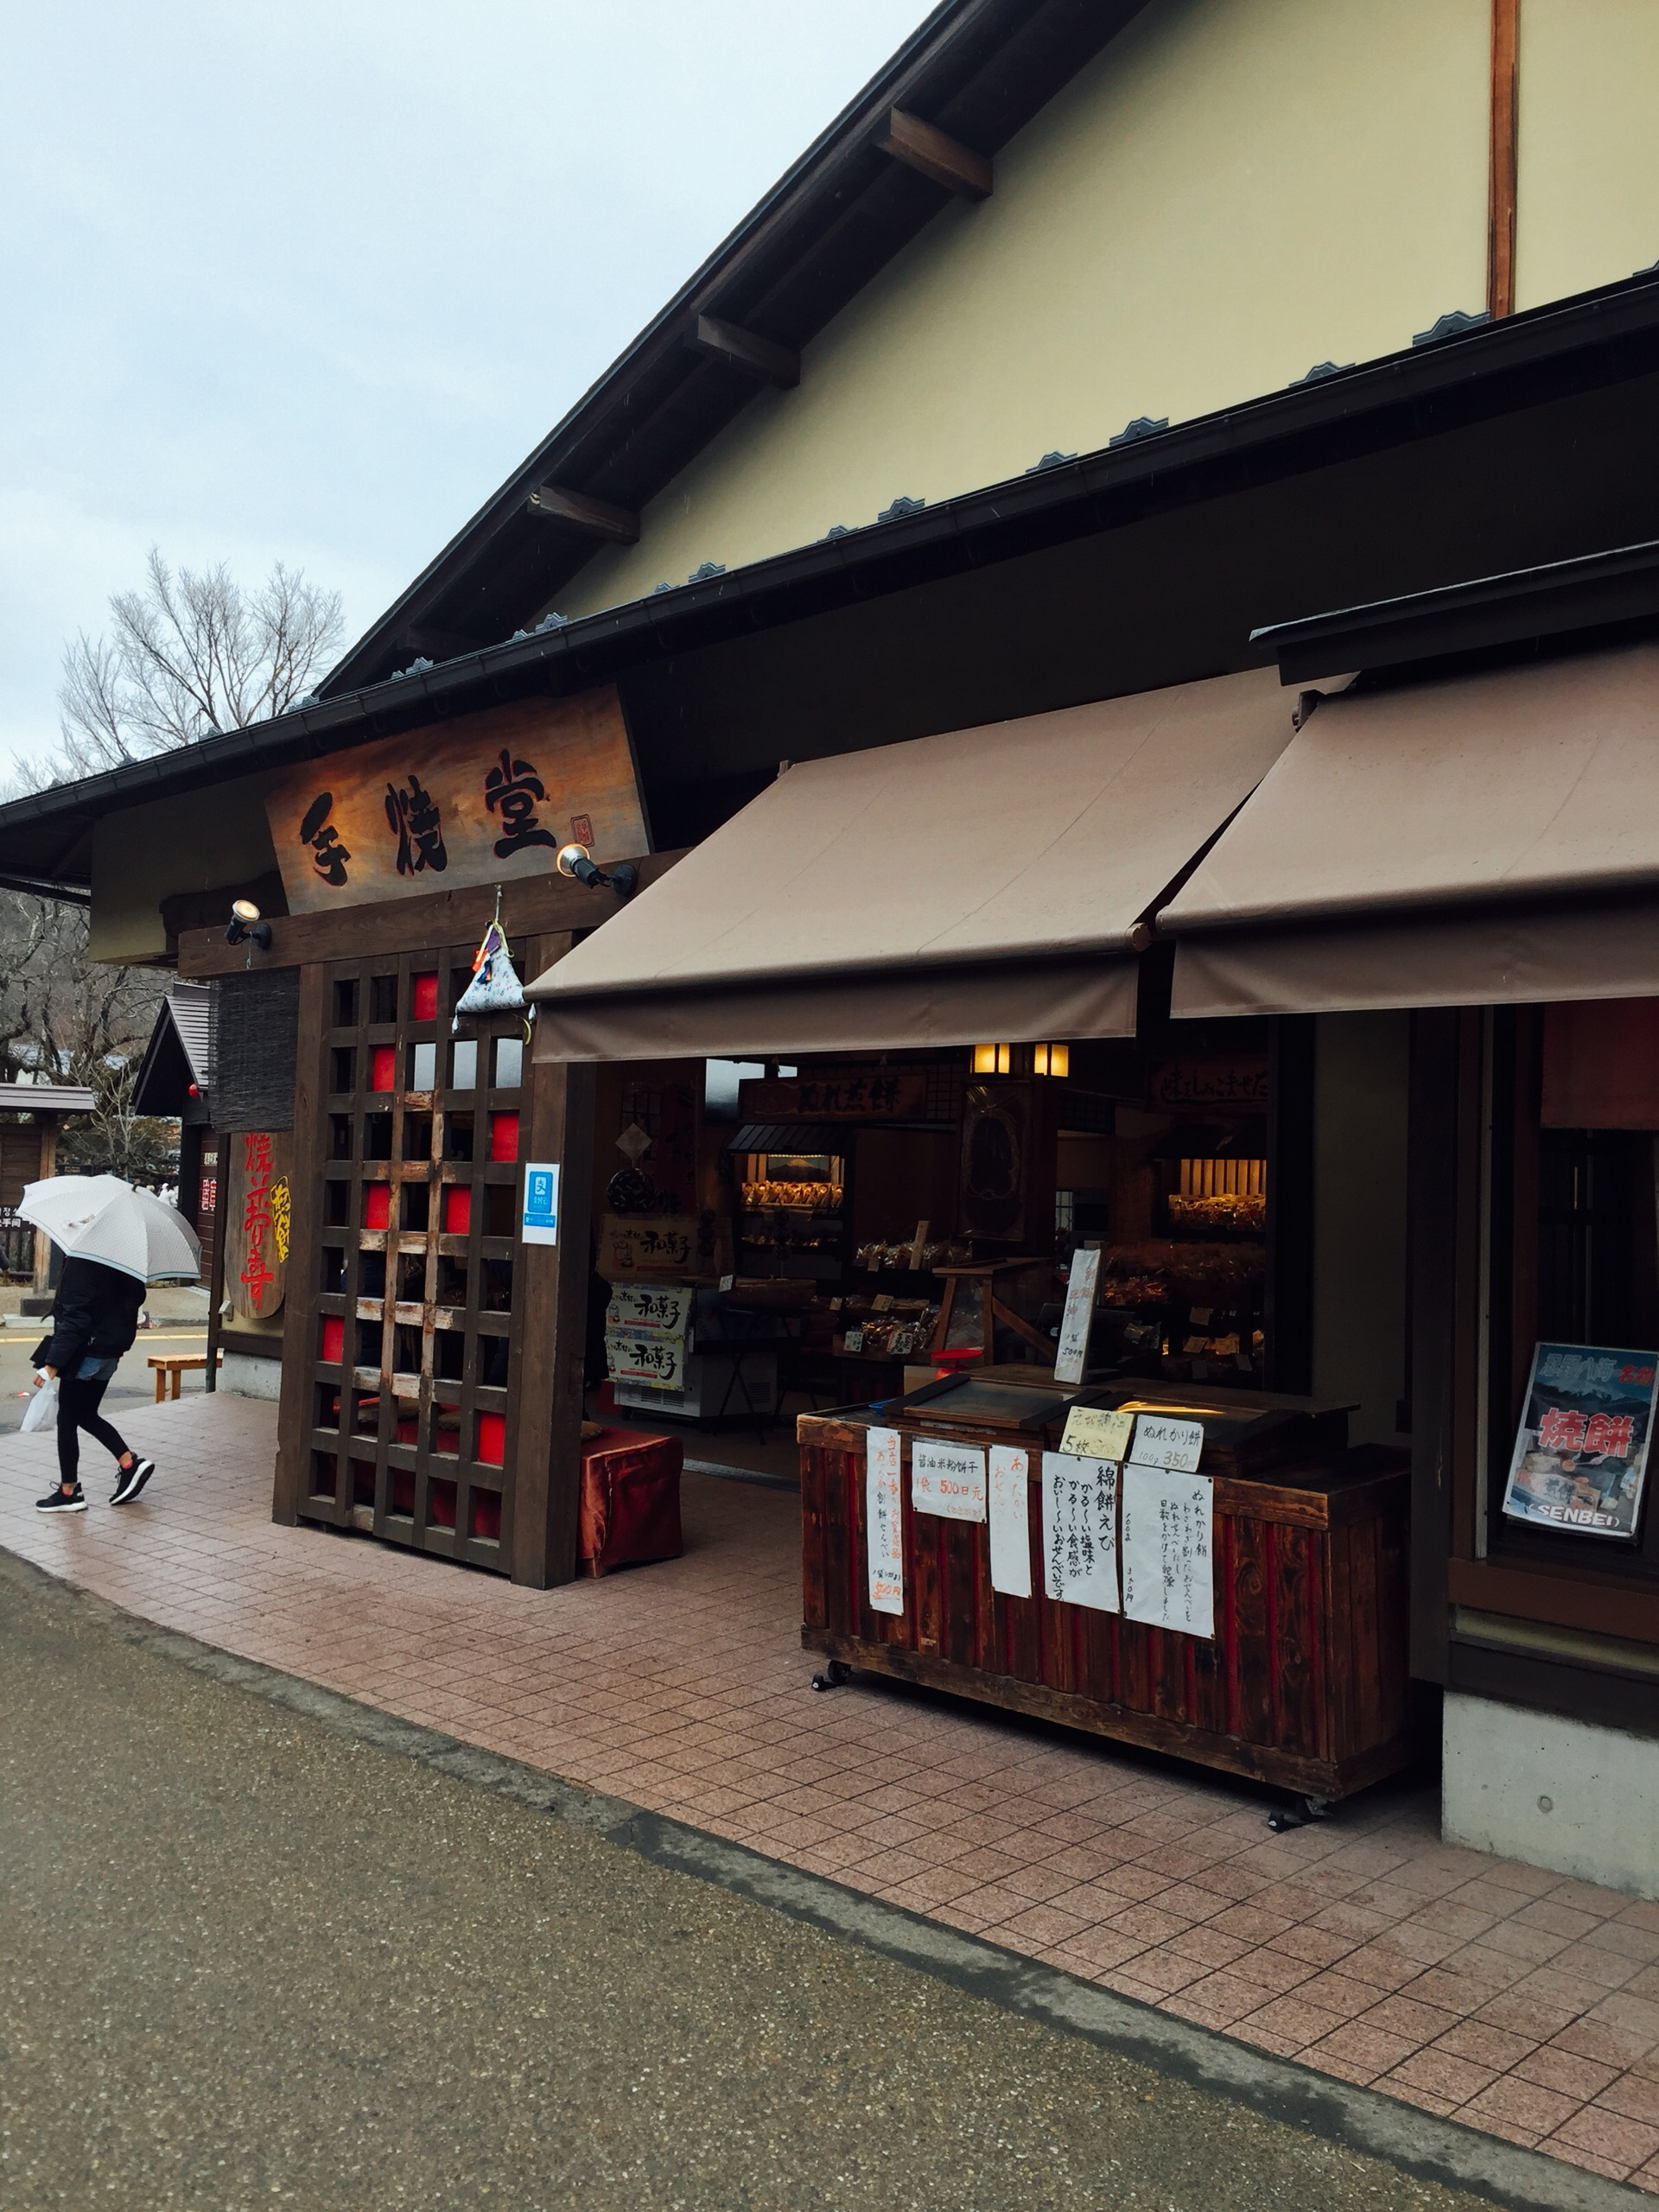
(417, 1333)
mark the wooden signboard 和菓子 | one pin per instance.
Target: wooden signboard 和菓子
(480, 798)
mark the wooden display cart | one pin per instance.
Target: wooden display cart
(1304, 1683)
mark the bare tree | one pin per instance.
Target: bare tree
(188, 654)
(67, 1017)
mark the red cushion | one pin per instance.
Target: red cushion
(424, 1006)
(630, 1499)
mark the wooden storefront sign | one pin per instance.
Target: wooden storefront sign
(839, 1094)
(256, 1222)
(1184, 1084)
(483, 798)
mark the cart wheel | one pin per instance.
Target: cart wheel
(1286, 1817)
(834, 1674)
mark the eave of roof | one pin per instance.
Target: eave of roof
(1621, 585)
(979, 70)
(1600, 337)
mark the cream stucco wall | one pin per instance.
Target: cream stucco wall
(1588, 192)
(1234, 190)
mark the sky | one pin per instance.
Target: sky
(306, 282)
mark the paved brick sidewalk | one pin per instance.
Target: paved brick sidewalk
(1472, 1986)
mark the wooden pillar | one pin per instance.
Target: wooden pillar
(49, 1132)
(545, 1419)
(296, 1412)
(1504, 171)
(1443, 1195)
(1289, 1291)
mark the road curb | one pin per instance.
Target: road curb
(1359, 2119)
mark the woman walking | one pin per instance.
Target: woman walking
(95, 1319)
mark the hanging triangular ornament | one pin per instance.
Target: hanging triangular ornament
(495, 988)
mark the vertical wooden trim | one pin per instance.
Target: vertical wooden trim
(300, 1304)
(1503, 175)
(545, 1381)
(216, 1265)
(50, 1131)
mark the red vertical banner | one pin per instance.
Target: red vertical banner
(256, 1223)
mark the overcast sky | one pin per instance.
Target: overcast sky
(307, 281)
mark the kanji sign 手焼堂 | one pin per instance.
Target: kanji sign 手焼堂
(480, 798)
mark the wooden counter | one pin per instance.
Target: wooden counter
(1304, 1685)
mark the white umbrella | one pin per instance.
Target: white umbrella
(100, 1217)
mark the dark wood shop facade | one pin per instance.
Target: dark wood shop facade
(1318, 1009)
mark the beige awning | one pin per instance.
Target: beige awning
(975, 885)
(1487, 839)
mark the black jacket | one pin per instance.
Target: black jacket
(96, 1313)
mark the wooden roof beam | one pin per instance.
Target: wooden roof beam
(582, 511)
(931, 154)
(745, 349)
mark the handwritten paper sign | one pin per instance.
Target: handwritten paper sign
(1080, 1530)
(1072, 1356)
(1162, 1441)
(948, 1479)
(1169, 1549)
(883, 1521)
(1010, 1521)
(1094, 1433)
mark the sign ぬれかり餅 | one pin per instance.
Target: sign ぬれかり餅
(480, 798)
(1580, 1459)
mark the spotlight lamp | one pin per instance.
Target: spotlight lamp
(245, 926)
(577, 861)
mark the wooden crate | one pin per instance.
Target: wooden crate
(1304, 1685)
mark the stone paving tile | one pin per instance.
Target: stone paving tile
(1495, 1992)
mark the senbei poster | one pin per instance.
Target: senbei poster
(1581, 1456)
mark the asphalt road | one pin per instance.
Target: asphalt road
(247, 1959)
(132, 1383)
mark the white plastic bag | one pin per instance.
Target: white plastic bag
(41, 1411)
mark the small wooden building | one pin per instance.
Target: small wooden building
(29, 1132)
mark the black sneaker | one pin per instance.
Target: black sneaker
(133, 1479)
(55, 1502)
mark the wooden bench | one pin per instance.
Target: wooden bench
(174, 1364)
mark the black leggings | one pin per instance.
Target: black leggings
(78, 1405)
